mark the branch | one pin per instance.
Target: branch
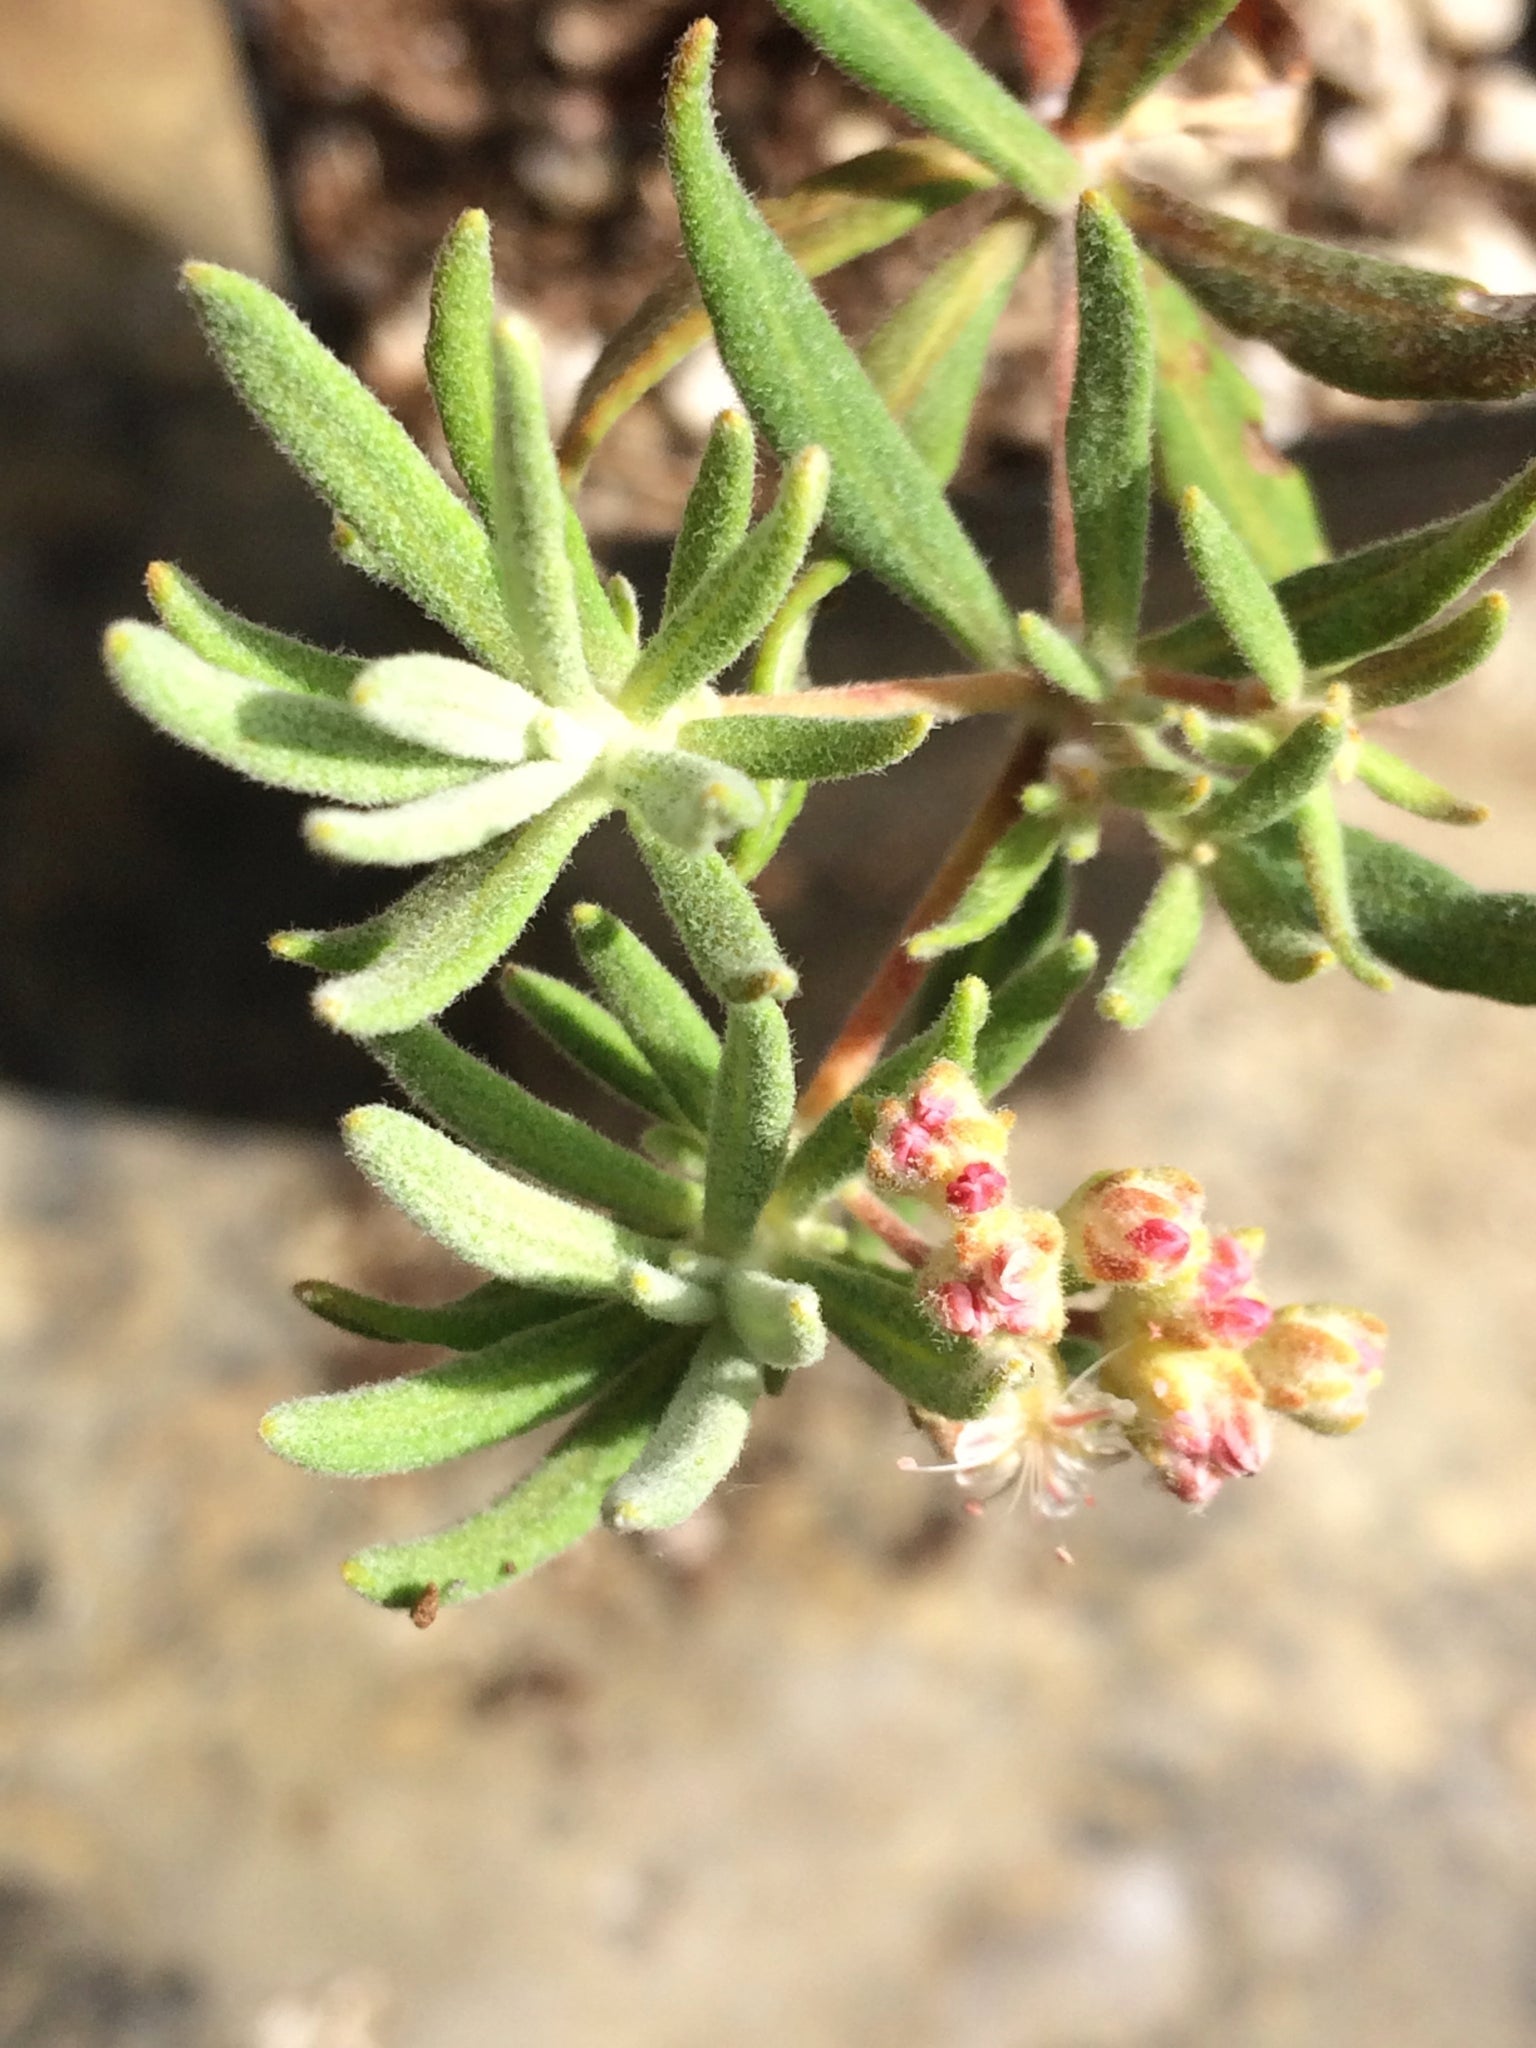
(942, 697)
(1049, 50)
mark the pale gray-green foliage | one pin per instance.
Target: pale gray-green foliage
(454, 707)
(1241, 597)
(733, 951)
(1301, 763)
(438, 827)
(1158, 950)
(652, 1005)
(596, 1041)
(696, 1444)
(256, 652)
(689, 800)
(749, 1123)
(807, 749)
(777, 1322)
(718, 510)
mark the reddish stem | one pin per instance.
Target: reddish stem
(1243, 699)
(896, 1235)
(1049, 47)
(955, 696)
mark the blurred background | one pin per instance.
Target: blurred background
(835, 1765)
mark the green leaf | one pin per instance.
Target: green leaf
(310, 744)
(1436, 928)
(554, 1507)
(459, 352)
(358, 457)
(505, 1227)
(626, 609)
(1027, 1007)
(1435, 659)
(230, 642)
(1366, 601)
(724, 933)
(455, 925)
(425, 1418)
(652, 1005)
(1040, 921)
(342, 950)
(878, 1317)
(537, 584)
(1209, 426)
(1301, 763)
(455, 821)
(1169, 792)
(667, 1296)
(690, 802)
(806, 749)
(697, 1442)
(749, 1125)
(928, 357)
(1242, 598)
(839, 214)
(1396, 782)
(1158, 950)
(1285, 947)
(1360, 323)
(778, 1322)
(999, 886)
(487, 1313)
(513, 1128)
(454, 708)
(607, 643)
(1060, 660)
(593, 1038)
(1135, 44)
(729, 607)
(1109, 432)
(1320, 840)
(805, 385)
(899, 51)
(719, 508)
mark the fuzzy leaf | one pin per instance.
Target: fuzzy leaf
(554, 1507)
(463, 306)
(483, 1316)
(1027, 1007)
(778, 1322)
(607, 643)
(837, 215)
(1320, 840)
(804, 749)
(1396, 782)
(1135, 44)
(455, 925)
(1109, 432)
(1436, 928)
(1170, 792)
(719, 508)
(729, 607)
(1301, 763)
(593, 1038)
(453, 707)
(455, 821)
(1360, 323)
(1435, 659)
(505, 1227)
(513, 1128)
(1060, 660)
(310, 744)
(1209, 425)
(749, 1124)
(1285, 947)
(1158, 950)
(876, 1316)
(898, 50)
(358, 457)
(669, 1297)
(1241, 596)
(1000, 885)
(1040, 921)
(724, 933)
(690, 802)
(342, 950)
(230, 642)
(425, 1418)
(652, 1005)
(696, 1444)
(805, 385)
(1363, 602)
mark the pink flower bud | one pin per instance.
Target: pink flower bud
(981, 1185)
(1200, 1417)
(961, 1308)
(1138, 1227)
(1318, 1364)
(1238, 1320)
(940, 1132)
(1001, 1272)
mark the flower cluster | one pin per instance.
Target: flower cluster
(1192, 1362)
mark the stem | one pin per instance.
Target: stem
(1243, 699)
(866, 1207)
(858, 1045)
(943, 697)
(1068, 606)
(1049, 50)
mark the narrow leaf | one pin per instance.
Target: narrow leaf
(748, 1126)
(509, 1126)
(1241, 597)
(1026, 1009)
(607, 639)
(687, 800)
(696, 1444)
(592, 1037)
(725, 935)
(1040, 921)
(1396, 782)
(1360, 323)
(1000, 885)
(456, 821)
(1285, 947)
(719, 507)
(1158, 950)
(804, 749)
(652, 1005)
(1301, 763)
(805, 385)
(778, 1322)
(1060, 660)
(451, 706)
(1169, 792)
(358, 457)
(342, 950)
(505, 1227)
(554, 1507)
(729, 607)
(1135, 44)
(1363, 602)
(877, 1317)
(898, 50)
(230, 642)
(310, 744)
(669, 1297)
(1209, 424)
(425, 1418)
(455, 925)
(1109, 432)
(1320, 839)
(483, 1316)
(463, 305)
(1435, 659)
(625, 606)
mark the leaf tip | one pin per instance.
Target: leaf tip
(118, 639)
(584, 916)
(1083, 952)
(158, 578)
(330, 1006)
(779, 982)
